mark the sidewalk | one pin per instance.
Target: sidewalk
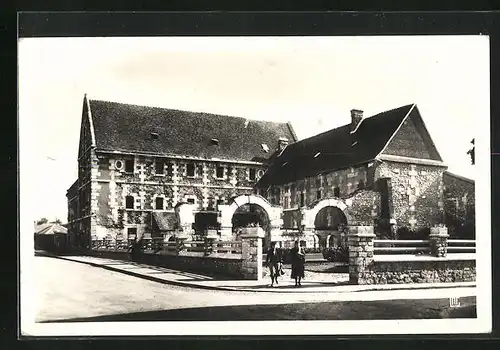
(328, 283)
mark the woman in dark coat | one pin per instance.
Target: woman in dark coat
(298, 261)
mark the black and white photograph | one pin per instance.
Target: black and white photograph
(254, 185)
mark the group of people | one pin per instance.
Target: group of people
(274, 261)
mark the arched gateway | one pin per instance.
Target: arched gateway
(273, 220)
(325, 220)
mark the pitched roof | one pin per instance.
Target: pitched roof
(50, 229)
(459, 177)
(125, 127)
(335, 149)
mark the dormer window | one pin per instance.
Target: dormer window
(214, 142)
(265, 147)
(317, 155)
(154, 135)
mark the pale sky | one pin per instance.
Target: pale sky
(311, 81)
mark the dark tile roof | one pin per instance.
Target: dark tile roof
(126, 127)
(456, 176)
(335, 149)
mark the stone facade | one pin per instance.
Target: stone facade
(416, 194)
(203, 187)
(459, 206)
(360, 241)
(427, 271)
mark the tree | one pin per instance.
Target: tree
(471, 152)
(42, 221)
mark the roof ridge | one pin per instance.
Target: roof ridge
(348, 124)
(186, 111)
(465, 178)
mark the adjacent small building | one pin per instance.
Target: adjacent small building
(459, 205)
(51, 237)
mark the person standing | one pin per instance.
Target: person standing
(298, 262)
(273, 261)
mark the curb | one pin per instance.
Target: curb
(242, 289)
(135, 274)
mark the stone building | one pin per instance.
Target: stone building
(460, 211)
(145, 171)
(383, 171)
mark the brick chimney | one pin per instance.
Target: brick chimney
(356, 117)
(282, 143)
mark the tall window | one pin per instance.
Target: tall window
(361, 184)
(170, 169)
(302, 199)
(336, 192)
(159, 165)
(318, 194)
(190, 170)
(129, 202)
(131, 232)
(159, 203)
(129, 165)
(252, 174)
(219, 172)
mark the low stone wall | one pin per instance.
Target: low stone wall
(211, 266)
(433, 270)
(366, 268)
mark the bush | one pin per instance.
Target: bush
(336, 254)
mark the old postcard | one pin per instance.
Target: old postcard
(216, 185)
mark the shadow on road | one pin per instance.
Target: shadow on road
(352, 310)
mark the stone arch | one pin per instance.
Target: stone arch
(310, 213)
(274, 213)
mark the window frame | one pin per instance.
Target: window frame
(193, 167)
(250, 177)
(127, 202)
(162, 162)
(170, 168)
(217, 172)
(125, 167)
(162, 203)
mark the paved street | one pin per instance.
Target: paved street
(74, 291)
